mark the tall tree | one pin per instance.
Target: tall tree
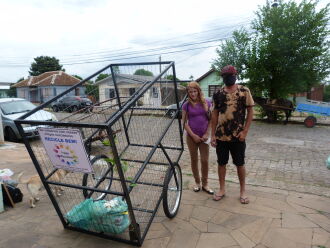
(43, 64)
(143, 72)
(101, 76)
(235, 51)
(290, 51)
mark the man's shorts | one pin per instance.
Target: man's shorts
(236, 149)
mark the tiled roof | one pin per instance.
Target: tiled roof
(58, 78)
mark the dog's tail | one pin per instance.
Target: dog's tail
(19, 178)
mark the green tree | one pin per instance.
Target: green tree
(143, 72)
(290, 49)
(171, 77)
(76, 76)
(92, 90)
(287, 53)
(235, 51)
(101, 76)
(12, 90)
(43, 64)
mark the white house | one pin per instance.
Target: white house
(161, 94)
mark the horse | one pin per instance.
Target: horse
(271, 106)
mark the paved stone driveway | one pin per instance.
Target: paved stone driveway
(281, 156)
(285, 160)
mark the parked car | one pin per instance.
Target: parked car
(13, 108)
(171, 109)
(71, 104)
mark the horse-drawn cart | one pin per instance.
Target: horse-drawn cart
(313, 108)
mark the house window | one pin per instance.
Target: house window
(22, 93)
(131, 91)
(47, 92)
(154, 92)
(212, 89)
(112, 93)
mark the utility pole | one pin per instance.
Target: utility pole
(160, 65)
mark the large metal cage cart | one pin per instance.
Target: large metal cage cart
(131, 143)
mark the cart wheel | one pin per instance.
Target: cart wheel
(310, 121)
(172, 191)
(102, 175)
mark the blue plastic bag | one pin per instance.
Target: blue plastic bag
(80, 215)
(110, 216)
(100, 216)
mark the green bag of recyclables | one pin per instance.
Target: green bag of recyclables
(100, 216)
(328, 163)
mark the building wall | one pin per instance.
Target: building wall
(316, 94)
(151, 97)
(23, 93)
(211, 79)
(44, 93)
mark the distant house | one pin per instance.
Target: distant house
(316, 94)
(209, 82)
(161, 94)
(4, 88)
(39, 89)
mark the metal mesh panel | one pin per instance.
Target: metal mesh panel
(129, 134)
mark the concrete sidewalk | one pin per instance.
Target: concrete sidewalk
(274, 218)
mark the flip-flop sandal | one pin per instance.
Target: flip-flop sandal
(218, 197)
(197, 189)
(244, 200)
(209, 191)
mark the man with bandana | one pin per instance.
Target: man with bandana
(231, 120)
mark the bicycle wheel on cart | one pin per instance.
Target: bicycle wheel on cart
(100, 178)
(172, 191)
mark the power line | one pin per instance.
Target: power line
(117, 54)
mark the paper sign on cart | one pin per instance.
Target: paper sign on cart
(65, 149)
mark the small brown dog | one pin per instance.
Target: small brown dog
(34, 185)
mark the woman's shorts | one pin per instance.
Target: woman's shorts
(236, 149)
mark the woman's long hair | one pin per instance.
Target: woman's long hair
(200, 97)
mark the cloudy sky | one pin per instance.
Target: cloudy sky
(86, 35)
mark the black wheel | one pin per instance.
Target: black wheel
(55, 108)
(310, 121)
(74, 108)
(102, 175)
(10, 135)
(171, 113)
(172, 191)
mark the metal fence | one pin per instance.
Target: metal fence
(108, 161)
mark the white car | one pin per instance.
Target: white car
(13, 108)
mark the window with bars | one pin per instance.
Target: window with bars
(154, 92)
(212, 89)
